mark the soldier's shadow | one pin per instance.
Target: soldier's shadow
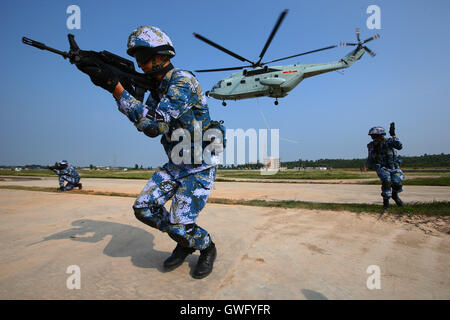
(126, 241)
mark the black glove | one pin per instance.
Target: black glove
(127, 85)
(392, 129)
(101, 76)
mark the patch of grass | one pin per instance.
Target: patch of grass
(24, 173)
(436, 208)
(306, 174)
(336, 174)
(441, 181)
(116, 174)
(109, 174)
(224, 180)
(299, 181)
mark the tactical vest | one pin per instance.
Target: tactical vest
(381, 153)
(200, 114)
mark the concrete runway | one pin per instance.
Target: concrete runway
(263, 253)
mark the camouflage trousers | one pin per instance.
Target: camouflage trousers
(189, 195)
(391, 181)
(71, 182)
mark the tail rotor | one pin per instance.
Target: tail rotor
(360, 44)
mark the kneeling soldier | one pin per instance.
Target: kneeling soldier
(66, 173)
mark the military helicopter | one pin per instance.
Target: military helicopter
(275, 81)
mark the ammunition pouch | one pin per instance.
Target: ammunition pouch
(219, 125)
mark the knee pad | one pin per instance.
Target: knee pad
(386, 189)
(141, 213)
(386, 185)
(68, 186)
(397, 188)
(180, 233)
(149, 216)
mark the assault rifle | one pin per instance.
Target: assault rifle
(134, 82)
(57, 166)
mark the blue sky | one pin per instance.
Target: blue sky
(51, 111)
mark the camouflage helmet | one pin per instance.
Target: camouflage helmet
(377, 130)
(150, 37)
(62, 164)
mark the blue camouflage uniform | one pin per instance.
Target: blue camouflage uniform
(68, 174)
(182, 104)
(383, 157)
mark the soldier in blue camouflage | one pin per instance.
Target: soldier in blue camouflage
(176, 108)
(66, 173)
(384, 159)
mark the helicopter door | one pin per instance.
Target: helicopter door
(255, 83)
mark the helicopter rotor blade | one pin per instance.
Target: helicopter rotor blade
(222, 69)
(217, 46)
(371, 38)
(300, 54)
(373, 54)
(358, 33)
(274, 31)
(348, 44)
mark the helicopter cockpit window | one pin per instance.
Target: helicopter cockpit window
(228, 83)
(242, 81)
(217, 85)
(260, 71)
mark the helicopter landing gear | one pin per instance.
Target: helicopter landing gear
(276, 102)
(224, 103)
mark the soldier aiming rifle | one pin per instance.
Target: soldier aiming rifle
(66, 173)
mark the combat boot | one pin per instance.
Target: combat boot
(397, 200)
(385, 204)
(80, 186)
(205, 262)
(177, 258)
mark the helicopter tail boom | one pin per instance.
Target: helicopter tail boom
(353, 56)
(310, 70)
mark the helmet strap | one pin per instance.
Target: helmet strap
(157, 72)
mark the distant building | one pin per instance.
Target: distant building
(272, 163)
(310, 168)
(102, 168)
(271, 166)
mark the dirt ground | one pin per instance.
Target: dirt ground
(335, 193)
(263, 253)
